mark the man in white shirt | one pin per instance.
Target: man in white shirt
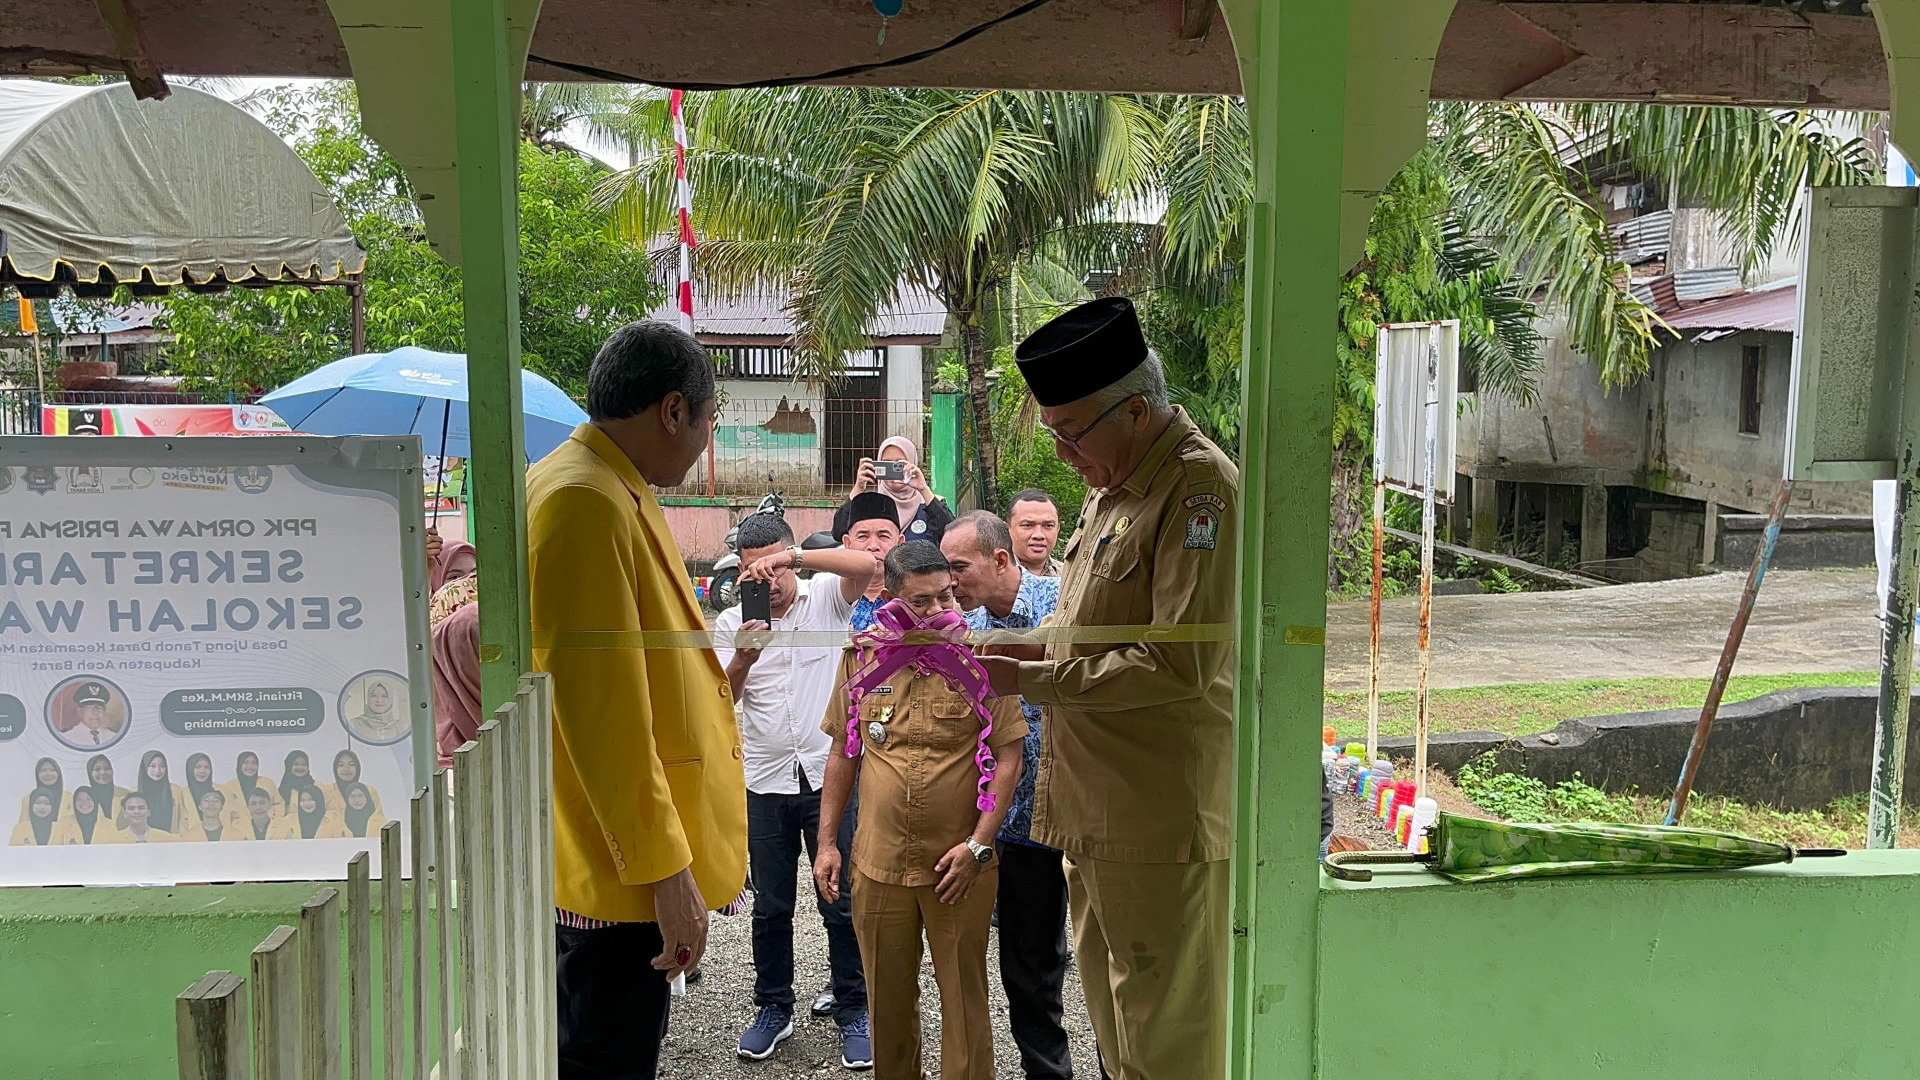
(782, 693)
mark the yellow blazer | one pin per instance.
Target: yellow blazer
(237, 800)
(23, 835)
(647, 773)
(67, 832)
(125, 836)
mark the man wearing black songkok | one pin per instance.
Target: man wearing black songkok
(1136, 768)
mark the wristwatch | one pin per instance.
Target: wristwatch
(982, 853)
(798, 555)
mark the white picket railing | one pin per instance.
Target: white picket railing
(485, 1012)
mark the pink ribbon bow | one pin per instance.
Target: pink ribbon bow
(935, 646)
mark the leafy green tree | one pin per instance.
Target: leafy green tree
(578, 281)
(849, 194)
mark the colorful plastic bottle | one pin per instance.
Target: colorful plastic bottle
(1327, 736)
(1425, 813)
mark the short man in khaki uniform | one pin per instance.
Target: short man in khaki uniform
(1135, 779)
(923, 855)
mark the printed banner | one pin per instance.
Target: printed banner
(169, 420)
(204, 670)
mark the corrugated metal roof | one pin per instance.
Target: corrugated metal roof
(1705, 284)
(1643, 238)
(762, 313)
(1773, 309)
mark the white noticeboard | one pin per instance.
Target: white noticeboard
(192, 608)
(1402, 386)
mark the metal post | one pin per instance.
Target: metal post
(1379, 543)
(1690, 769)
(1379, 582)
(1896, 670)
(1294, 75)
(1431, 419)
(485, 107)
(357, 292)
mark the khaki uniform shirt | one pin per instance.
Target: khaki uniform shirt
(1136, 756)
(919, 785)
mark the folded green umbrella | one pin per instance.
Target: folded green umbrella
(1474, 849)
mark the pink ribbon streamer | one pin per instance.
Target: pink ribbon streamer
(886, 650)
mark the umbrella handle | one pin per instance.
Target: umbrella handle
(1818, 852)
(1345, 865)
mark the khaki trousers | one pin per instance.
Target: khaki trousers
(888, 920)
(1151, 940)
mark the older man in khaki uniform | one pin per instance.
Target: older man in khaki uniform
(1136, 767)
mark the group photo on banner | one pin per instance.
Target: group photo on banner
(203, 656)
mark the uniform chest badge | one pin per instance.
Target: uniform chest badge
(877, 733)
(919, 526)
(1203, 530)
(1121, 526)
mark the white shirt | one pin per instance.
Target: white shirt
(784, 696)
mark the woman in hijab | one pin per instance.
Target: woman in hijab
(85, 824)
(361, 818)
(246, 781)
(100, 782)
(346, 773)
(308, 816)
(36, 830)
(169, 807)
(456, 681)
(298, 775)
(199, 782)
(923, 516)
(448, 560)
(50, 781)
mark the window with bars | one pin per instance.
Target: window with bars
(776, 361)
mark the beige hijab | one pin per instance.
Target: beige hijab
(906, 500)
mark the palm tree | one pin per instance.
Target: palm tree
(549, 109)
(847, 196)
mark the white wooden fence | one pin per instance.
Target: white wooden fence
(467, 995)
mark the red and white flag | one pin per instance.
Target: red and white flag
(683, 198)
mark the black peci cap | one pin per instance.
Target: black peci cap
(90, 694)
(1082, 352)
(866, 506)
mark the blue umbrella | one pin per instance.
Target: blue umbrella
(414, 391)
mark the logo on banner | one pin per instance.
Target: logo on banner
(253, 479)
(40, 479)
(214, 479)
(85, 479)
(138, 478)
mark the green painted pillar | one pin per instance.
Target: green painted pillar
(943, 453)
(486, 99)
(1294, 73)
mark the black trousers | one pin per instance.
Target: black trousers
(613, 1003)
(1033, 957)
(779, 827)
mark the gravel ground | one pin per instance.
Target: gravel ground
(707, 1023)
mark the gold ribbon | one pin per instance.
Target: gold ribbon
(813, 639)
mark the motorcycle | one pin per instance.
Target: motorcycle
(723, 582)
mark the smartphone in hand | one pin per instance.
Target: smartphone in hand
(756, 602)
(894, 470)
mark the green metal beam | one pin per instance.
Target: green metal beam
(486, 99)
(1294, 70)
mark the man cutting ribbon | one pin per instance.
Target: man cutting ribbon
(1135, 781)
(937, 760)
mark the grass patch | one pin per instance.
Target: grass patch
(1527, 708)
(1482, 788)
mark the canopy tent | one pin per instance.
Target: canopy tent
(98, 189)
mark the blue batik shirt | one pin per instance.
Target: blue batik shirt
(863, 613)
(1036, 600)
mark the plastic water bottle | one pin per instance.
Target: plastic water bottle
(1327, 759)
(1425, 813)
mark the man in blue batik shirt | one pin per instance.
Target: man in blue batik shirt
(997, 593)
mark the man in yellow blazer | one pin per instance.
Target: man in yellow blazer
(649, 797)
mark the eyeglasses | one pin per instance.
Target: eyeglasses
(1074, 440)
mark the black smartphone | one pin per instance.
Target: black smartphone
(756, 602)
(895, 470)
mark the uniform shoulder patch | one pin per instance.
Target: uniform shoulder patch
(1207, 499)
(1203, 529)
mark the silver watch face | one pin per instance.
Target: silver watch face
(982, 853)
